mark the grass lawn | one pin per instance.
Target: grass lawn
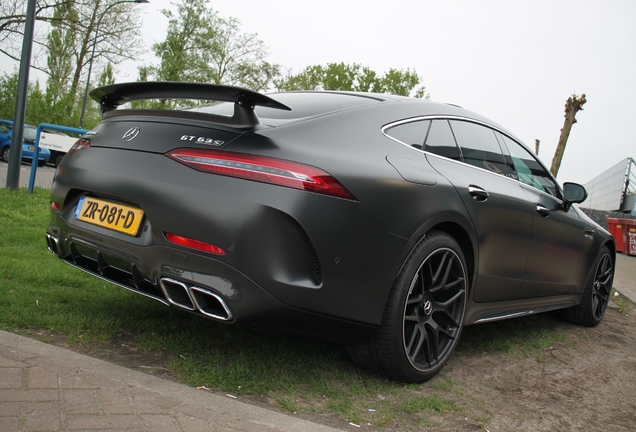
(303, 375)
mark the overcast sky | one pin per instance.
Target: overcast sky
(514, 62)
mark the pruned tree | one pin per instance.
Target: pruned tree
(353, 77)
(536, 146)
(573, 105)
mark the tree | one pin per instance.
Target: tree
(240, 58)
(8, 90)
(60, 42)
(74, 23)
(200, 46)
(573, 105)
(38, 109)
(353, 77)
(185, 52)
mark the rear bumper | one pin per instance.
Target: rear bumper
(208, 288)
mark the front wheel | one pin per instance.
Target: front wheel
(5, 154)
(597, 292)
(424, 315)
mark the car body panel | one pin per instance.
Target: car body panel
(301, 261)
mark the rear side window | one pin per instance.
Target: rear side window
(413, 133)
(440, 140)
(479, 146)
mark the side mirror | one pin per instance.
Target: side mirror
(573, 193)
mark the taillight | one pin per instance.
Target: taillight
(262, 169)
(194, 244)
(80, 144)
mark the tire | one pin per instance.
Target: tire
(5, 154)
(424, 314)
(41, 163)
(596, 295)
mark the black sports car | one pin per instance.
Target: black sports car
(384, 222)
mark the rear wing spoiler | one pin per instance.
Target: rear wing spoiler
(110, 97)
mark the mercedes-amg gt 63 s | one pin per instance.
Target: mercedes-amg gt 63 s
(384, 222)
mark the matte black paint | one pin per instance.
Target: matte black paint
(304, 262)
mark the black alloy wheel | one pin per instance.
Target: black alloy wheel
(434, 310)
(424, 314)
(602, 286)
(597, 292)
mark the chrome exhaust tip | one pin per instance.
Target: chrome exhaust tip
(177, 293)
(194, 298)
(210, 304)
(53, 244)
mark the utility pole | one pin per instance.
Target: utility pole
(13, 171)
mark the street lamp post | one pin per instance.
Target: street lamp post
(90, 64)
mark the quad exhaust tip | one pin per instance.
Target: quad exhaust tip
(194, 298)
(177, 293)
(53, 244)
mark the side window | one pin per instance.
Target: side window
(413, 133)
(512, 173)
(529, 170)
(440, 140)
(479, 146)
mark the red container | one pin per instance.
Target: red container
(629, 236)
(615, 227)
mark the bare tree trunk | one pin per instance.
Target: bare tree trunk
(536, 146)
(573, 105)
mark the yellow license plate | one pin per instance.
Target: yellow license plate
(114, 216)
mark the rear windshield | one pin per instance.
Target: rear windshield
(29, 134)
(303, 104)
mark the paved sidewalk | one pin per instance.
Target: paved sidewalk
(46, 388)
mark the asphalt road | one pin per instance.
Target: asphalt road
(43, 177)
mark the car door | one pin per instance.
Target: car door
(559, 239)
(500, 211)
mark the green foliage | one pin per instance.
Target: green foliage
(200, 46)
(353, 77)
(8, 89)
(40, 106)
(61, 43)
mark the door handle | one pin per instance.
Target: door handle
(479, 194)
(543, 211)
